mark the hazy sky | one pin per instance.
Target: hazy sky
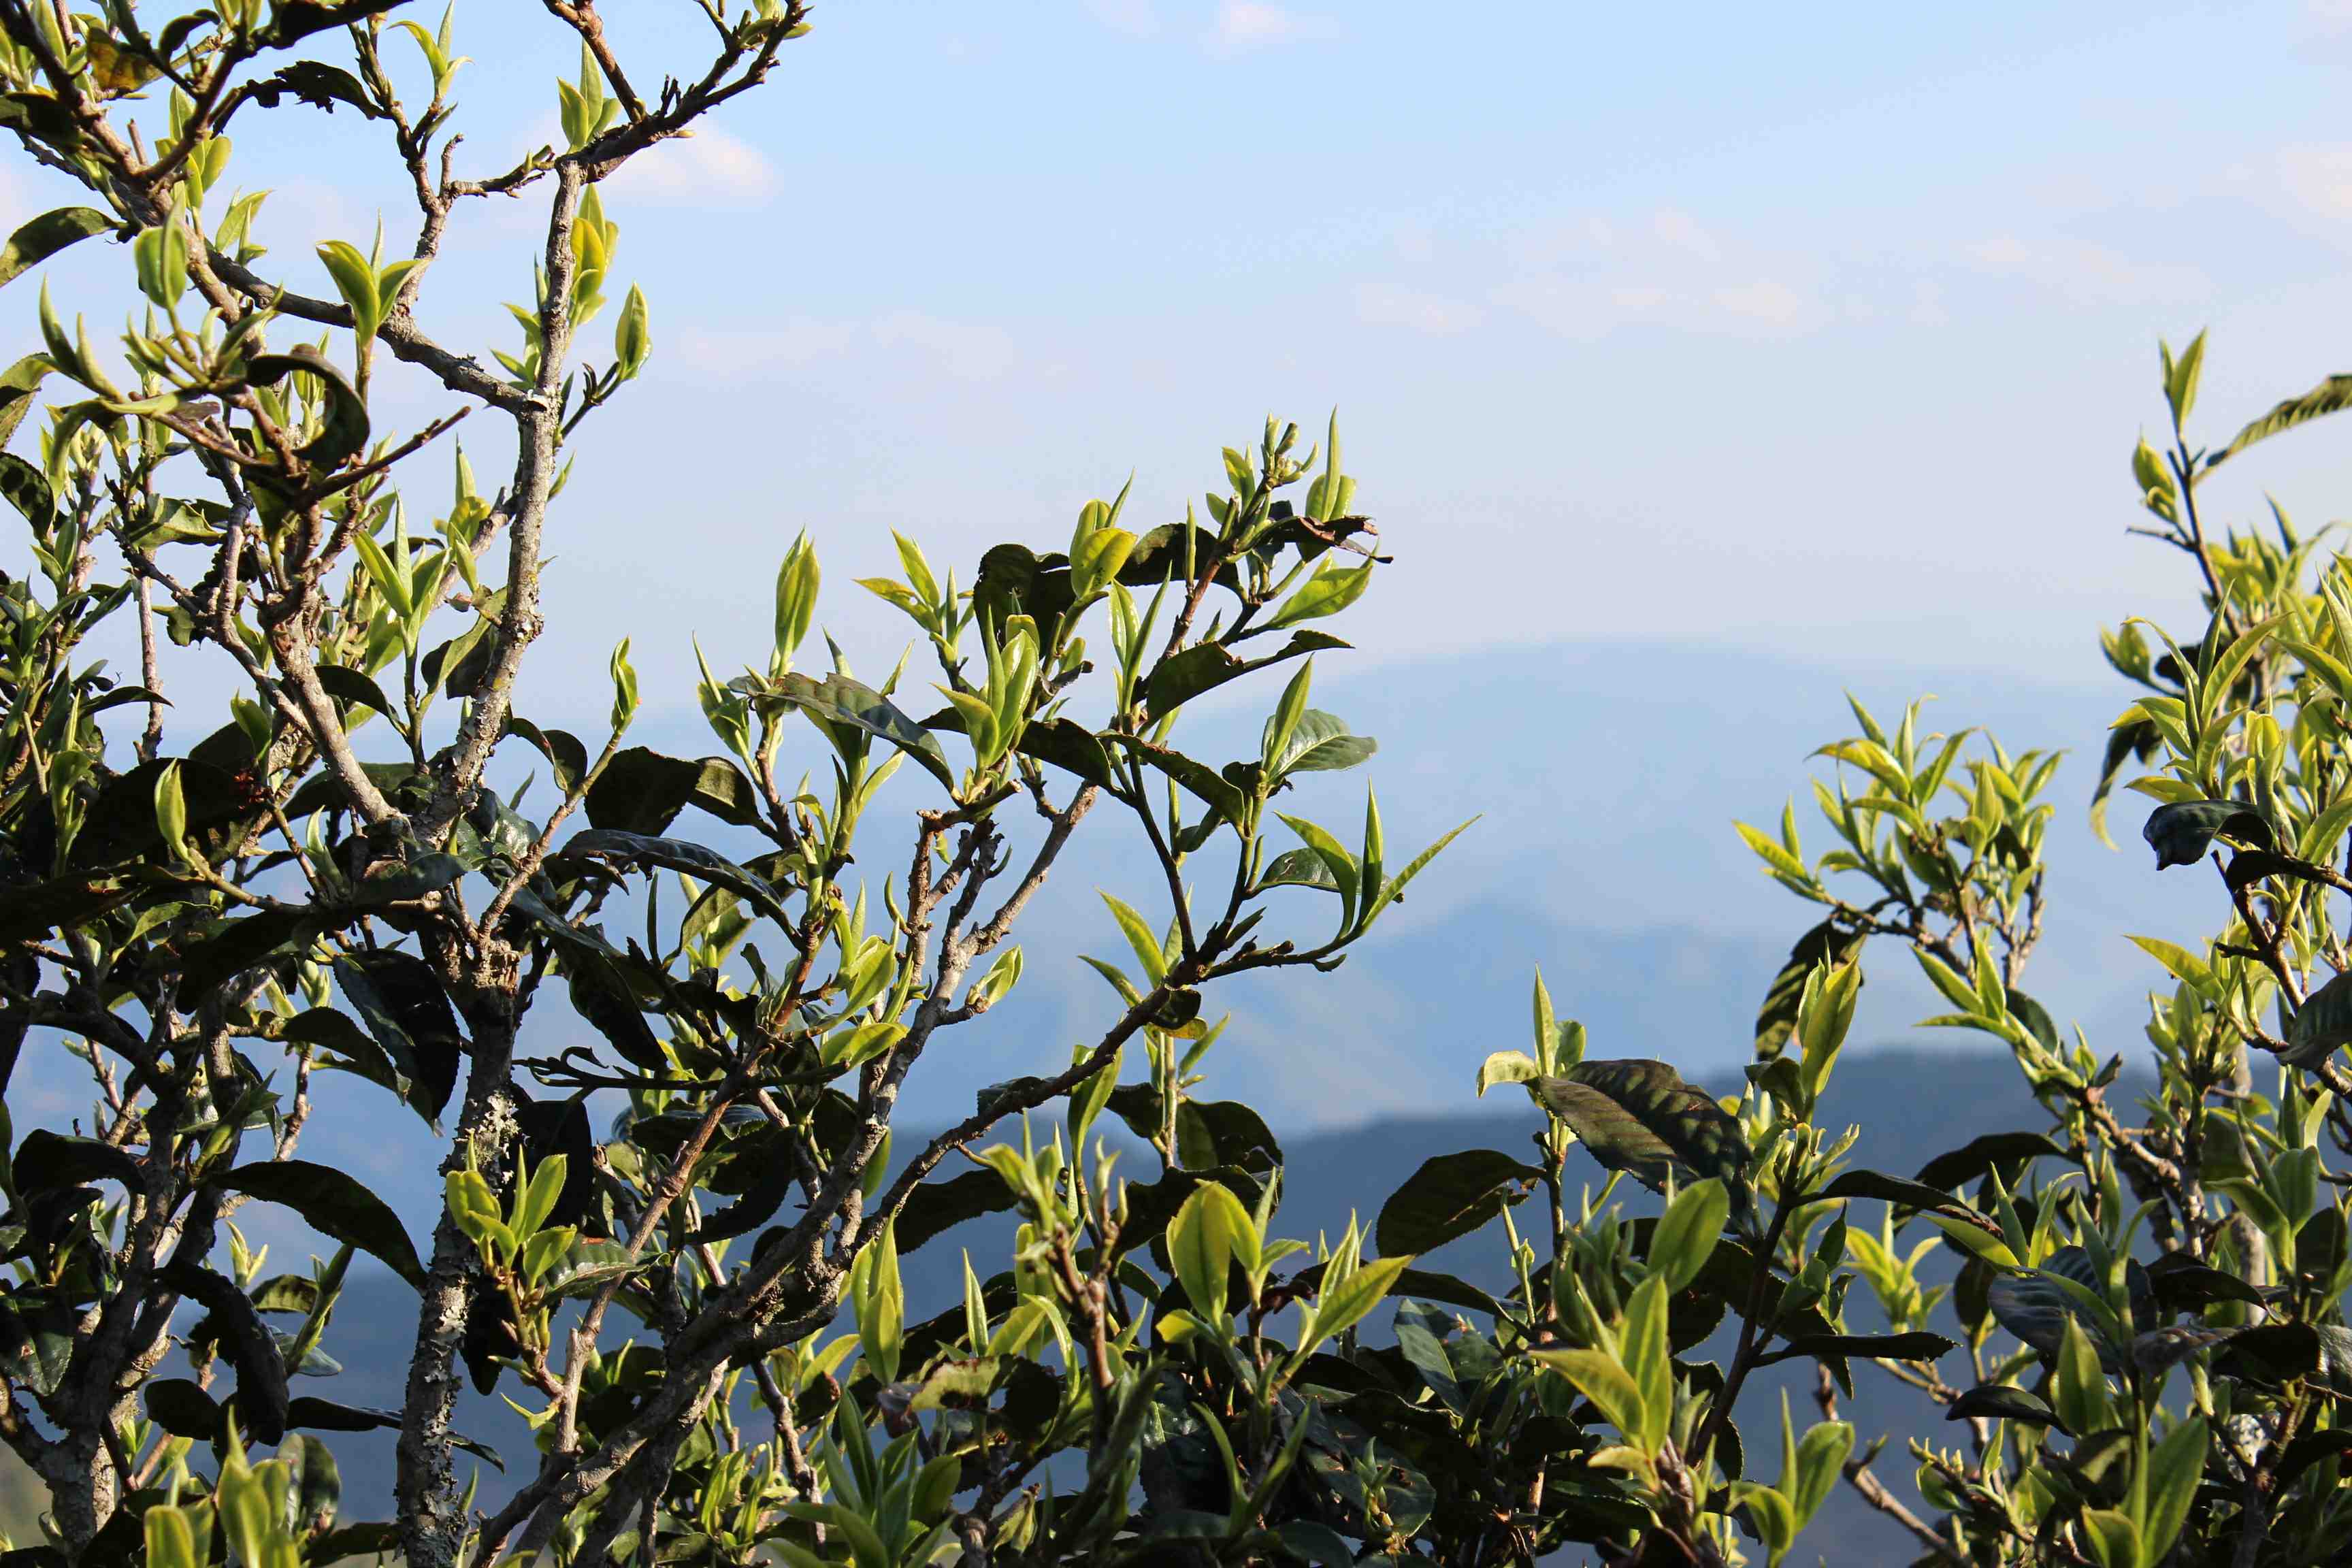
(1823, 334)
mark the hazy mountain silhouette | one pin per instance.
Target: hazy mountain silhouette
(1911, 1104)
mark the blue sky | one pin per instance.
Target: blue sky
(1818, 339)
(1704, 323)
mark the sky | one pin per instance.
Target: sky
(1814, 341)
(1798, 330)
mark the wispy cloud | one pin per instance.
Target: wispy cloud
(1415, 310)
(1136, 18)
(2083, 271)
(707, 169)
(1766, 301)
(2318, 175)
(1663, 269)
(1249, 24)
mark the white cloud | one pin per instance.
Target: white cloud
(1249, 23)
(1767, 301)
(707, 169)
(2078, 269)
(1665, 268)
(968, 350)
(2318, 175)
(1432, 315)
(1135, 17)
(1928, 303)
(1681, 233)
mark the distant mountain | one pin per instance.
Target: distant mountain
(1607, 777)
(1911, 1104)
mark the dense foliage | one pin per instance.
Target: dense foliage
(2143, 1352)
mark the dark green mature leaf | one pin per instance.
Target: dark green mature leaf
(936, 1206)
(2126, 742)
(294, 1293)
(1219, 793)
(1015, 580)
(361, 1053)
(2320, 1244)
(1884, 1347)
(37, 1339)
(641, 791)
(2034, 1017)
(601, 994)
(1321, 744)
(317, 83)
(26, 488)
(1421, 1334)
(677, 855)
(122, 697)
(1451, 1196)
(1204, 667)
(18, 382)
(769, 1156)
(27, 913)
(261, 1398)
(409, 1016)
(2328, 397)
(334, 1203)
(398, 882)
(233, 947)
(182, 1409)
(1300, 867)
(1308, 1541)
(324, 791)
(2279, 1352)
(1422, 1284)
(1160, 554)
(1640, 1117)
(352, 686)
(121, 824)
(837, 700)
(1151, 1205)
(2322, 1023)
(1906, 1195)
(344, 431)
(1223, 1131)
(459, 665)
(2248, 867)
(2034, 1309)
(2180, 832)
(561, 1127)
(1779, 1076)
(44, 237)
(2181, 1283)
(1979, 1155)
(2173, 1344)
(2308, 1450)
(1823, 946)
(564, 754)
(956, 1383)
(2000, 1402)
(1070, 746)
(316, 1415)
(53, 1161)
